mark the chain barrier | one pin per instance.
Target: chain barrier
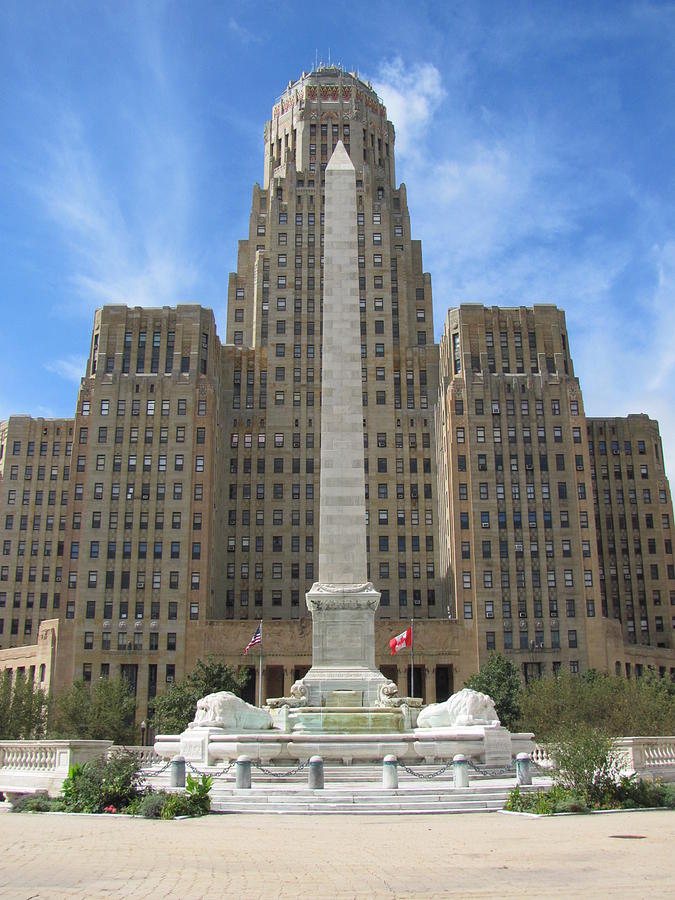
(213, 775)
(285, 774)
(496, 772)
(151, 773)
(426, 775)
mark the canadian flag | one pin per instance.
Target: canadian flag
(401, 641)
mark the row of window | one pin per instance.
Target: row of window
(495, 407)
(551, 578)
(278, 596)
(133, 643)
(44, 446)
(92, 578)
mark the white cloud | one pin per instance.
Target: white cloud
(125, 241)
(242, 33)
(72, 368)
(411, 97)
(502, 208)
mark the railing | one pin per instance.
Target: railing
(541, 757)
(145, 756)
(28, 756)
(652, 757)
(30, 766)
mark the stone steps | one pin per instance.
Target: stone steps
(358, 789)
(373, 801)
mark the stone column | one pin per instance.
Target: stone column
(289, 678)
(342, 602)
(429, 684)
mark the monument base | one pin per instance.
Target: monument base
(343, 669)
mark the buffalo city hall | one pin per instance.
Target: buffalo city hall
(180, 505)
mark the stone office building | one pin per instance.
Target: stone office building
(180, 505)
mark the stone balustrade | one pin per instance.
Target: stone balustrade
(541, 757)
(145, 756)
(28, 767)
(647, 757)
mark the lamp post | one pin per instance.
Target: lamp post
(143, 729)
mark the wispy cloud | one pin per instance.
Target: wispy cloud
(125, 243)
(72, 368)
(503, 206)
(242, 33)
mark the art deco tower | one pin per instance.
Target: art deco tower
(275, 324)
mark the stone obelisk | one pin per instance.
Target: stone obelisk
(342, 601)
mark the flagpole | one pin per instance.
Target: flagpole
(412, 657)
(260, 666)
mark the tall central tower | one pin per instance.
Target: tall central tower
(275, 332)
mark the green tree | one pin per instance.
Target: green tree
(23, 708)
(175, 709)
(617, 705)
(103, 711)
(500, 679)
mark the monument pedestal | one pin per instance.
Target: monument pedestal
(343, 672)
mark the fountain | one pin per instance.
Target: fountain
(344, 707)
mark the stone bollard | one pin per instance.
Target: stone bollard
(460, 771)
(523, 769)
(315, 777)
(243, 773)
(390, 773)
(177, 772)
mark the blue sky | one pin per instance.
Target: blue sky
(536, 140)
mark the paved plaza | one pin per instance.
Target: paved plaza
(338, 856)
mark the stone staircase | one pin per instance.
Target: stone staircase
(358, 790)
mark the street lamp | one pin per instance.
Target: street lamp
(143, 728)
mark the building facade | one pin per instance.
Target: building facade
(181, 502)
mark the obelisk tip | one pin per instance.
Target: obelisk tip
(340, 159)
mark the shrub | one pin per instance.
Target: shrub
(105, 782)
(33, 803)
(151, 805)
(545, 803)
(585, 763)
(194, 802)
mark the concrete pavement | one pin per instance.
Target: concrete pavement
(50, 856)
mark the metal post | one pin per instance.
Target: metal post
(260, 665)
(390, 773)
(243, 773)
(177, 772)
(315, 777)
(460, 771)
(523, 768)
(412, 657)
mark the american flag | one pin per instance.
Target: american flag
(256, 639)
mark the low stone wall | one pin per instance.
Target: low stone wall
(482, 744)
(29, 767)
(650, 758)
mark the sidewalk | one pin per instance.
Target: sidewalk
(481, 855)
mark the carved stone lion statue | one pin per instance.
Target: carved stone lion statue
(225, 710)
(299, 697)
(387, 695)
(466, 707)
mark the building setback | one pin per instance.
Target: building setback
(181, 503)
